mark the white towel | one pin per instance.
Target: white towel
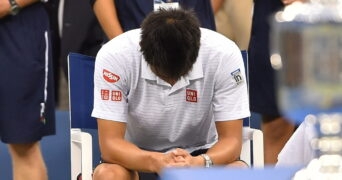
(298, 151)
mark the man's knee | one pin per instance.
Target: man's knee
(238, 164)
(24, 150)
(278, 129)
(112, 171)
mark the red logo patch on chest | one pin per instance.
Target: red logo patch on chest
(191, 95)
(116, 96)
(110, 77)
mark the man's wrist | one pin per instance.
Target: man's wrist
(207, 160)
(153, 163)
(14, 7)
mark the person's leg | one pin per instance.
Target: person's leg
(238, 164)
(277, 131)
(27, 162)
(106, 171)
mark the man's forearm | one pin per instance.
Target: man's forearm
(229, 144)
(24, 3)
(216, 5)
(225, 151)
(240, 16)
(106, 14)
(5, 7)
(128, 155)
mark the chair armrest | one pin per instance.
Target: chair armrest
(254, 156)
(81, 154)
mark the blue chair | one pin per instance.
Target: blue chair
(81, 71)
(253, 141)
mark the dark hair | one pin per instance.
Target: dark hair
(170, 41)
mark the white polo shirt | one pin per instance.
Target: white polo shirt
(161, 117)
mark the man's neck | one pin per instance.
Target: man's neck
(169, 80)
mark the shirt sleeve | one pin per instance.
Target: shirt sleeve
(231, 100)
(110, 90)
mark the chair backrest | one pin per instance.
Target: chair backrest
(246, 121)
(81, 88)
(252, 150)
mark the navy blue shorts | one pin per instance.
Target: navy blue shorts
(26, 83)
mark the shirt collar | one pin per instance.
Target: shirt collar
(195, 73)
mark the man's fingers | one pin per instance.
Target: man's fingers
(180, 152)
(179, 159)
(178, 164)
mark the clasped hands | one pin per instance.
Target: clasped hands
(177, 158)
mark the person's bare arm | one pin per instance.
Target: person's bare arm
(228, 147)
(216, 5)
(287, 2)
(240, 16)
(106, 14)
(115, 149)
(5, 7)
